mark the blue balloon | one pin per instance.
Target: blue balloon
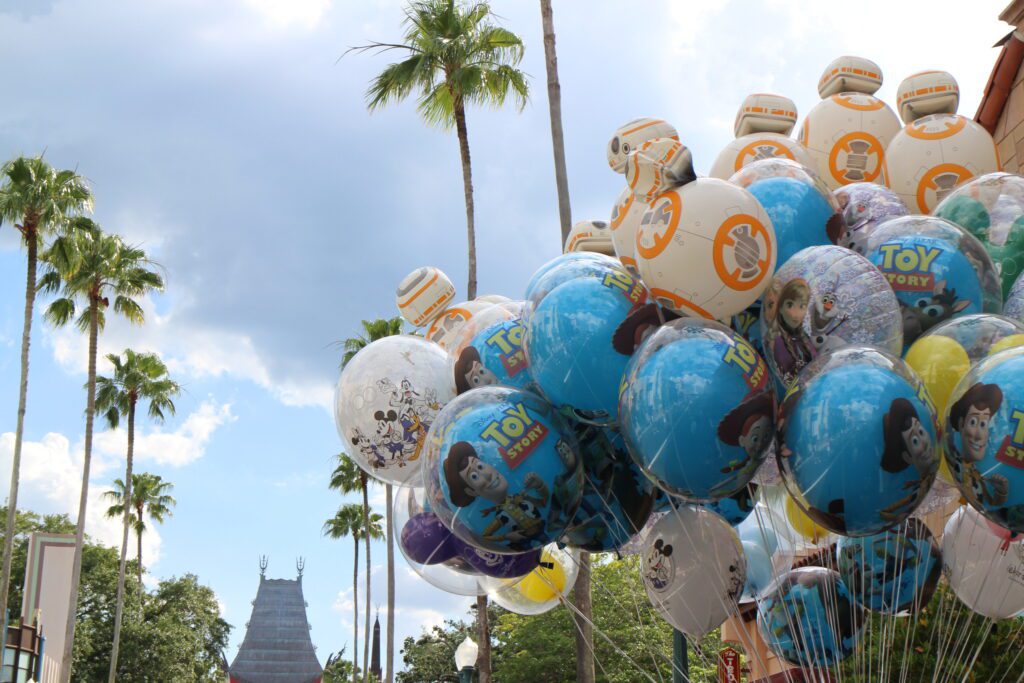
(762, 535)
(892, 572)
(809, 619)
(759, 569)
(748, 324)
(501, 470)
(801, 215)
(495, 355)
(617, 497)
(566, 267)
(697, 409)
(579, 339)
(737, 507)
(858, 446)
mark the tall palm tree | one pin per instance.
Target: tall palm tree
(89, 267)
(150, 497)
(555, 111)
(348, 521)
(37, 200)
(454, 55)
(372, 331)
(137, 377)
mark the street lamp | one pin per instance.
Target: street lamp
(465, 659)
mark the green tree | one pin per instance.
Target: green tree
(150, 497)
(454, 55)
(27, 522)
(431, 656)
(88, 267)
(337, 669)
(348, 521)
(372, 331)
(137, 377)
(37, 200)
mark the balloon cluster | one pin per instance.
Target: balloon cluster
(735, 372)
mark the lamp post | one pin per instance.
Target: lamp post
(465, 659)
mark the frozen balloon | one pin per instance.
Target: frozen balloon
(864, 207)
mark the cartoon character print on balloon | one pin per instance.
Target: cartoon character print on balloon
(792, 348)
(864, 207)
(401, 426)
(660, 568)
(907, 444)
(970, 423)
(495, 355)
(750, 425)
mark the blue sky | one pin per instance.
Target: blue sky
(227, 139)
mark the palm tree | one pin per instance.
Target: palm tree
(348, 521)
(555, 111)
(87, 267)
(150, 497)
(372, 331)
(37, 200)
(455, 55)
(137, 377)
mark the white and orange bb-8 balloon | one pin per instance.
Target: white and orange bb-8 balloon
(423, 294)
(493, 299)
(846, 135)
(631, 135)
(706, 249)
(626, 216)
(850, 74)
(445, 328)
(930, 157)
(926, 93)
(658, 165)
(754, 147)
(590, 235)
(765, 113)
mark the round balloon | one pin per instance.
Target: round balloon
(592, 265)
(425, 539)
(780, 167)
(702, 438)
(864, 207)
(502, 470)
(858, 441)
(694, 570)
(747, 149)
(809, 619)
(445, 329)
(499, 565)
(822, 299)
(482, 319)
(759, 570)
(629, 136)
(423, 294)
(982, 569)
(893, 572)
(540, 590)
(591, 235)
(1014, 307)
(495, 355)
(617, 497)
(579, 339)
(991, 207)
(385, 401)
(985, 438)
(937, 269)
(802, 215)
(626, 216)
(737, 507)
(748, 324)
(802, 524)
(570, 260)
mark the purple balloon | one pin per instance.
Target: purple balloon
(497, 565)
(426, 540)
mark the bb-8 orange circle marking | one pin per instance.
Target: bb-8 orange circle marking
(844, 100)
(724, 238)
(928, 181)
(661, 243)
(874, 151)
(621, 210)
(679, 302)
(780, 149)
(921, 132)
(451, 315)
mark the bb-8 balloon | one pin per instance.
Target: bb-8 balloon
(847, 134)
(626, 216)
(926, 93)
(750, 148)
(930, 157)
(765, 113)
(446, 327)
(631, 135)
(850, 74)
(706, 249)
(423, 294)
(591, 236)
(658, 165)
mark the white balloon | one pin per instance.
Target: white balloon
(985, 572)
(694, 569)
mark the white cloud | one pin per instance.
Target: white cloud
(304, 14)
(181, 446)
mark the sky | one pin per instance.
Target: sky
(230, 141)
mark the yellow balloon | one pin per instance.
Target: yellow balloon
(802, 524)
(940, 362)
(1007, 342)
(545, 583)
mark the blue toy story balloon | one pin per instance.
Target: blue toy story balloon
(985, 438)
(502, 471)
(495, 355)
(737, 507)
(566, 267)
(697, 409)
(810, 620)
(759, 569)
(937, 269)
(580, 338)
(801, 213)
(748, 324)
(892, 572)
(858, 446)
(617, 497)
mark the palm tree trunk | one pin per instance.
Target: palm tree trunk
(366, 612)
(555, 110)
(483, 637)
(467, 186)
(126, 501)
(584, 619)
(138, 554)
(26, 334)
(391, 586)
(355, 611)
(83, 499)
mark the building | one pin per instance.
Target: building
(1001, 111)
(277, 647)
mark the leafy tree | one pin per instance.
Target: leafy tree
(431, 656)
(37, 200)
(137, 377)
(454, 55)
(338, 669)
(88, 267)
(150, 497)
(27, 522)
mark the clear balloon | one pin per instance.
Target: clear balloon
(542, 589)
(493, 313)
(1014, 306)
(704, 438)
(759, 570)
(386, 399)
(494, 355)
(735, 508)
(982, 569)
(565, 268)
(864, 207)
(858, 441)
